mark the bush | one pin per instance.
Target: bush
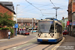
(12, 31)
(7, 28)
(6, 20)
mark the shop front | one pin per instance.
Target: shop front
(73, 28)
(69, 27)
(73, 24)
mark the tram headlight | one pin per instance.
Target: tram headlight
(39, 35)
(51, 35)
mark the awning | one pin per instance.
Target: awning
(68, 22)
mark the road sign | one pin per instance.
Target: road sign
(16, 25)
(32, 27)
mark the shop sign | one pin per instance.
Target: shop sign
(73, 23)
(70, 23)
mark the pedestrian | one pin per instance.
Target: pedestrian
(9, 33)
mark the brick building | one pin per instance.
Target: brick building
(71, 17)
(7, 7)
(26, 22)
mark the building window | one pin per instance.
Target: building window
(30, 24)
(26, 24)
(73, 0)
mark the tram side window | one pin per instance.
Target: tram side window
(52, 29)
(59, 28)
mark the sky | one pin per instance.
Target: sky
(44, 8)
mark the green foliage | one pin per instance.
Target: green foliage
(5, 20)
(63, 24)
(7, 28)
(12, 31)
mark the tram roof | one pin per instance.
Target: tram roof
(57, 21)
(50, 20)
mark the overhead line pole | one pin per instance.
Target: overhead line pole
(56, 8)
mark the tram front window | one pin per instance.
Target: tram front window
(46, 27)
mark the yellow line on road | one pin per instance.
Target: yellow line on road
(56, 46)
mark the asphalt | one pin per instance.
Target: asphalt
(68, 44)
(15, 41)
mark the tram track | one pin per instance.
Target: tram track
(45, 47)
(34, 45)
(31, 47)
(37, 46)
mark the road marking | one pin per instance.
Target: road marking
(14, 47)
(57, 45)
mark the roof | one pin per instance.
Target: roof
(8, 5)
(26, 20)
(66, 18)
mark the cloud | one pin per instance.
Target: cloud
(29, 15)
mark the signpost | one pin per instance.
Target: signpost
(16, 26)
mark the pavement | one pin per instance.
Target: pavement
(68, 44)
(16, 37)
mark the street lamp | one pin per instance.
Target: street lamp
(56, 8)
(16, 11)
(16, 25)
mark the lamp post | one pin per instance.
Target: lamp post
(32, 24)
(56, 8)
(16, 11)
(16, 25)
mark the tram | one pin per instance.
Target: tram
(49, 30)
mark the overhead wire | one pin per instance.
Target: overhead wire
(52, 3)
(34, 6)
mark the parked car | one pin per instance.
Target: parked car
(21, 31)
(26, 33)
(65, 32)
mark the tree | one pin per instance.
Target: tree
(63, 24)
(6, 20)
